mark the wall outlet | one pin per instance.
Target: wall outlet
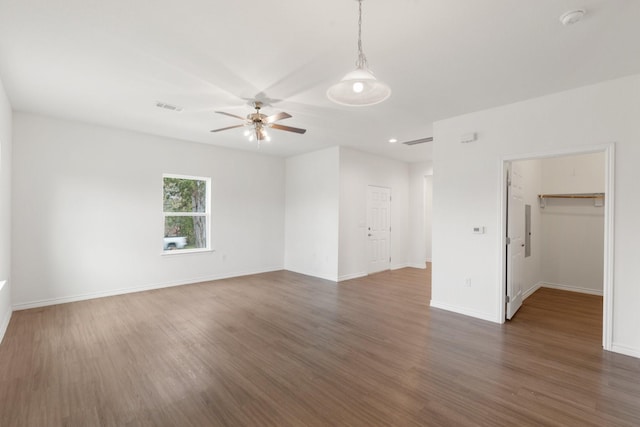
(467, 282)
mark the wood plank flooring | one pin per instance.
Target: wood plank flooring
(283, 349)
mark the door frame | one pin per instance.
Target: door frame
(609, 205)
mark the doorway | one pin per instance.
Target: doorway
(571, 198)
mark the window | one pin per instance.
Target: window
(187, 213)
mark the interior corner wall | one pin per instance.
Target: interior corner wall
(5, 210)
(428, 217)
(357, 171)
(420, 202)
(468, 183)
(573, 229)
(87, 210)
(311, 219)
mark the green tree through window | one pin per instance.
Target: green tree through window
(186, 212)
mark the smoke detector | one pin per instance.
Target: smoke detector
(572, 17)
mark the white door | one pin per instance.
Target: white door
(515, 238)
(378, 228)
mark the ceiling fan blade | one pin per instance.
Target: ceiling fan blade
(230, 115)
(228, 127)
(276, 117)
(287, 128)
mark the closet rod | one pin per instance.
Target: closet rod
(598, 198)
(572, 196)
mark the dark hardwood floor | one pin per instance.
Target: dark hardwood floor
(284, 349)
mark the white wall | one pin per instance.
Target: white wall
(420, 202)
(573, 229)
(87, 204)
(357, 171)
(574, 174)
(312, 198)
(5, 211)
(467, 187)
(428, 217)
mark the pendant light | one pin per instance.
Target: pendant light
(359, 88)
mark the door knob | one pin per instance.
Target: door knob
(369, 234)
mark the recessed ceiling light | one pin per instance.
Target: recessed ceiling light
(393, 141)
(572, 17)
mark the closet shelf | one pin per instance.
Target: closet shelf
(598, 198)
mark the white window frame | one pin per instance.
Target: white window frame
(206, 214)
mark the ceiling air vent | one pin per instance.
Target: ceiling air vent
(419, 141)
(168, 106)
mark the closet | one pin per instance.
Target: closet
(564, 201)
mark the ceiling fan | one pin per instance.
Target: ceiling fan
(259, 123)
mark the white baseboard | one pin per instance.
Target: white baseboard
(122, 291)
(363, 274)
(466, 312)
(351, 276)
(5, 324)
(421, 266)
(539, 285)
(306, 273)
(399, 266)
(571, 288)
(627, 351)
(531, 290)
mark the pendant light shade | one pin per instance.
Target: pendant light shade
(359, 88)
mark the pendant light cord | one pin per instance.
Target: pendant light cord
(359, 88)
(361, 62)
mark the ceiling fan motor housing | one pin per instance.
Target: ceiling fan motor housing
(261, 121)
(256, 118)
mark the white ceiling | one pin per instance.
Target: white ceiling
(108, 62)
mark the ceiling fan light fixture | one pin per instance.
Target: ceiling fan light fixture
(258, 123)
(359, 88)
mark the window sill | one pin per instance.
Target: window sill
(185, 251)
